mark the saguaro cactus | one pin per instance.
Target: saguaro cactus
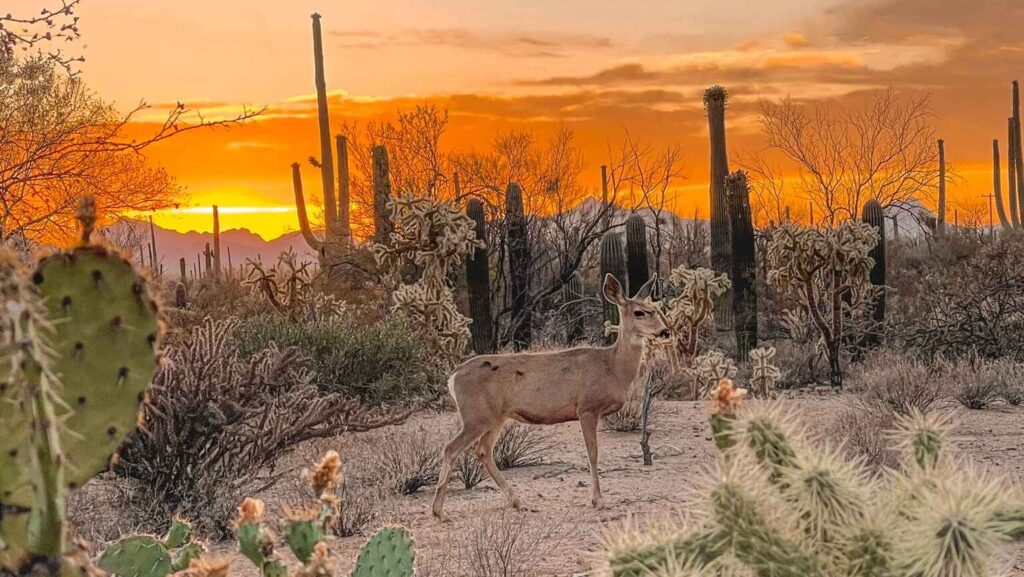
(744, 265)
(478, 282)
(518, 265)
(572, 294)
(613, 261)
(382, 226)
(344, 200)
(873, 214)
(636, 253)
(604, 198)
(1011, 171)
(324, 125)
(997, 180)
(714, 102)
(940, 223)
(1018, 158)
(216, 242)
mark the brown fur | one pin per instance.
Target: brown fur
(579, 384)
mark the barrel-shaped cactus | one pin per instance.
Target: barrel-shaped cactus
(637, 267)
(744, 266)
(613, 262)
(478, 283)
(873, 214)
(519, 260)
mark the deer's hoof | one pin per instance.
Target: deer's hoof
(597, 502)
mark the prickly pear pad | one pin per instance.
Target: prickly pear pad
(107, 331)
(389, 553)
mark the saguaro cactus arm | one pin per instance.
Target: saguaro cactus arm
(300, 207)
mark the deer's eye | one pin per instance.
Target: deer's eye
(639, 314)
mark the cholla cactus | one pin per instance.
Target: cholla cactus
(434, 237)
(306, 530)
(688, 313)
(708, 370)
(824, 269)
(765, 374)
(783, 504)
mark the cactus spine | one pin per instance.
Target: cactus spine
(572, 294)
(613, 261)
(478, 283)
(873, 214)
(997, 185)
(636, 253)
(744, 265)
(382, 226)
(518, 265)
(940, 223)
(715, 99)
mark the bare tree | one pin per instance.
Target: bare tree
(883, 150)
(59, 141)
(45, 31)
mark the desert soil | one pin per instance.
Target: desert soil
(560, 537)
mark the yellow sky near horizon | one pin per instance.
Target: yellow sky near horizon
(598, 67)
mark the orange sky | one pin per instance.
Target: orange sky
(598, 66)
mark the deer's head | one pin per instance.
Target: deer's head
(637, 319)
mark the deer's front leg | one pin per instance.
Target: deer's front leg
(588, 422)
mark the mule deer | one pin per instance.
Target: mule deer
(583, 383)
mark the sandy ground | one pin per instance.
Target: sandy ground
(559, 538)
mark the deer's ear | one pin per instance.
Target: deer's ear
(613, 292)
(645, 290)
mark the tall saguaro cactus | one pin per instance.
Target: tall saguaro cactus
(478, 282)
(636, 253)
(613, 262)
(997, 180)
(604, 198)
(1011, 171)
(518, 265)
(1018, 158)
(940, 223)
(714, 102)
(344, 200)
(326, 154)
(382, 226)
(873, 214)
(744, 265)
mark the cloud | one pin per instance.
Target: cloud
(795, 40)
(520, 43)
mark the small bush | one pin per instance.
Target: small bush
(629, 418)
(982, 383)
(381, 363)
(503, 545)
(406, 463)
(520, 446)
(896, 381)
(860, 430)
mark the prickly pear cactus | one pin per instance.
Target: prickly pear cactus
(389, 553)
(147, 556)
(104, 351)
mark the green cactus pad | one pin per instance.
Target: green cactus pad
(137, 556)
(389, 553)
(107, 328)
(302, 536)
(185, 556)
(248, 536)
(177, 534)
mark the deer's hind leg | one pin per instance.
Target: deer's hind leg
(466, 437)
(485, 453)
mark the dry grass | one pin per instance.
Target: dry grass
(629, 418)
(860, 430)
(502, 544)
(894, 380)
(520, 446)
(979, 384)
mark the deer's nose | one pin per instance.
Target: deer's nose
(664, 334)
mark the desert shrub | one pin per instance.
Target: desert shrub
(974, 306)
(898, 382)
(629, 418)
(216, 425)
(381, 363)
(802, 363)
(859, 430)
(981, 383)
(503, 545)
(405, 464)
(520, 446)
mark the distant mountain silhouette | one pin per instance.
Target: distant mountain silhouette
(242, 244)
